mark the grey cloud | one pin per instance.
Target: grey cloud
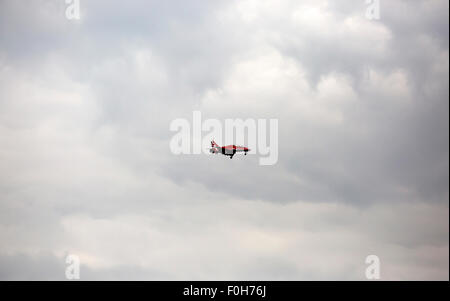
(85, 109)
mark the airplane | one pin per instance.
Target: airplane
(228, 150)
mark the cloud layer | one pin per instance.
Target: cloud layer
(85, 166)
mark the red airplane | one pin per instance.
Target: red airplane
(228, 150)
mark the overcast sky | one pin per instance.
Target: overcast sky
(86, 168)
